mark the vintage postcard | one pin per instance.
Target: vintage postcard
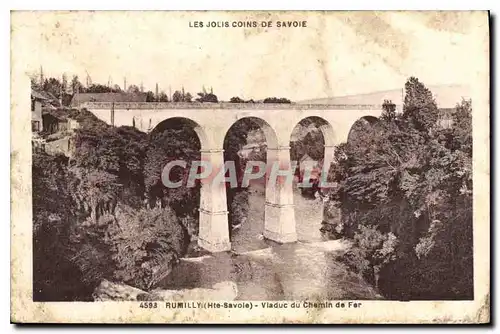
(322, 167)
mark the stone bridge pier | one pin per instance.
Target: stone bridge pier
(212, 121)
(213, 233)
(279, 216)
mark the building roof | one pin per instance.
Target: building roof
(37, 95)
(48, 99)
(62, 114)
(107, 97)
(49, 96)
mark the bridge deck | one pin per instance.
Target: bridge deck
(227, 105)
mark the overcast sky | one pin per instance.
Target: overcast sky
(339, 53)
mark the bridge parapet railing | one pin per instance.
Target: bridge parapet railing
(227, 105)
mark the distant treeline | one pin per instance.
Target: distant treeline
(237, 99)
(64, 89)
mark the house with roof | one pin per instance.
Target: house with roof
(58, 131)
(58, 120)
(37, 101)
(79, 99)
(51, 102)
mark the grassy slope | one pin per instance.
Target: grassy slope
(446, 96)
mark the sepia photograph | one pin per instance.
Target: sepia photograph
(250, 167)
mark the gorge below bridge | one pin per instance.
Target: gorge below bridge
(212, 121)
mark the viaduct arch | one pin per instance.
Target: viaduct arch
(212, 121)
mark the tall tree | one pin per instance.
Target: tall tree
(150, 97)
(163, 97)
(53, 86)
(76, 85)
(389, 111)
(64, 83)
(419, 105)
(177, 96)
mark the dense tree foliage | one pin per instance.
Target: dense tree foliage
(182, 96)
(163, 97)
(98, 88)
(276, 100)
(154, 238)
(91, 215)
(405, 194)
(311, 144)
(151, 97)
(237, 198)
(175, 141)
(207, 97)
(55, 276)
(137, 247)
(237, 99)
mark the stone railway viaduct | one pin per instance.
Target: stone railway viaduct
(212, 121)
